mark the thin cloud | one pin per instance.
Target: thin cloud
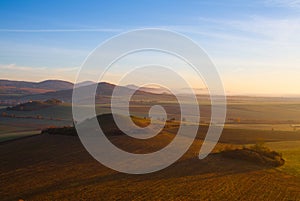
(58, 30)
(283, 3)
(67, 69)
(255, 28)
(16, 72)
(21, 68)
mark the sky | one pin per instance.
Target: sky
(255, 45)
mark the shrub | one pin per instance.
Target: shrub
(257, 153)
(67, 130)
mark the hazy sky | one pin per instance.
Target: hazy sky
(254, 44)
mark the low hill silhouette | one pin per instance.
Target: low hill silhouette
(47, 84)
(35, 105)
(106, 122)
(12, 92)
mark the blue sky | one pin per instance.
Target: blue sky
(254, 44)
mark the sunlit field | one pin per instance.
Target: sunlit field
(150, 100)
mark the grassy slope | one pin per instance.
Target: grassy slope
(58, 168)
(16, 135)
(291, 153)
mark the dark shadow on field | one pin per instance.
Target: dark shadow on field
(30, 159)
(213, 166)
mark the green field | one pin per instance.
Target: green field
(274, 127)
(291, 153)
(17, 135)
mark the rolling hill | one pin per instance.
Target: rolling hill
(56, 167)
(12, 92)
(103, 89)
(22, 87)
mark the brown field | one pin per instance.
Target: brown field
(53, 167)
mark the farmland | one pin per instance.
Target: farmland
(47, 167)
(43, 167)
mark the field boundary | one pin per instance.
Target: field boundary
(19, 138)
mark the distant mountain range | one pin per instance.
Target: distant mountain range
(9, 87)
(12, 92)
(156, 90)
(162, 90)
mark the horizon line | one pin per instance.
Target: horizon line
(231, 94)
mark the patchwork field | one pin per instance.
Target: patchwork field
(57, 167)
